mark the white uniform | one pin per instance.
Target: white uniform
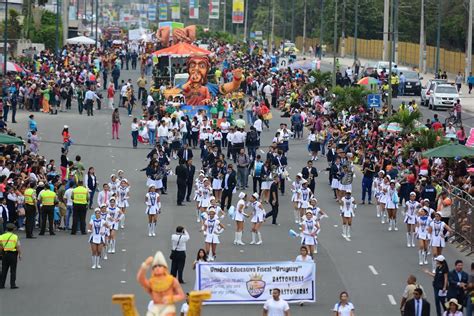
(376, 187)
(104, 217)
(422, 227)
(309, 227)
(98, 231)
(437, 234)
(389, 197)
(113, 185)
(258, 213)
(153, 207)
(212, 227)
(122, 196)
(239, 215)
(383, 193)
(114, 217)
(295, 188)
(304, 197)
(205, 194)
(347, 207)
(410, 216)
(198, 185)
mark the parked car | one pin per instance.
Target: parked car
(381, 65)
(443, 96)
(413, 81)
(369, 69)
(428, 89)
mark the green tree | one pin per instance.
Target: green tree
(348, 97)
(406, 119)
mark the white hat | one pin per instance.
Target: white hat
(103, 205)
(440, 258)
(205, 179)
(453, 300)
(41, 183)
(304, 181)
(413, 193)
(299, 175)
(382, 172)
(112, 175)
(426, 200)
(308, 210)
(112, 198)
(348, 191)
(212, 198)
(241, 195)
(96, 210)
(211, 209)
(65, 126)
(151, 186)
(255, 195)
(159, 260)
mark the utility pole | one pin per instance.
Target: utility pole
(272, 39)
(356, 28)
(5, 43)
(246, 4)
(395, 31)
(438, 39)
(57, 28)
(293, 23)
(421, 66)
(386, 20)
(96, 23)
(321, 26)
(343, 30)
(469, 42)
(225, 15)
(392, 12)
(334, 70)
(304, 27)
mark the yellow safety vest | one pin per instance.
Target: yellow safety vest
(47, 197)
(29, 196)
(9, 241)
(80, 195)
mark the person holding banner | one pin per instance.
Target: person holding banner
(212, 227)
(309, 232)
(239, 218)
(257, 219)
(304, 255)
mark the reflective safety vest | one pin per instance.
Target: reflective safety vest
(29, 196)
(80, 195)
(9, 241)
(47, 197)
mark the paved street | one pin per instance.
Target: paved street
(55, 276)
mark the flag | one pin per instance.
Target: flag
(163, 12)
(214, 9)
(175, 10)
(194, 9)
(238, 11)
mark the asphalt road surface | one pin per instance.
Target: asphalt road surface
(55, 277)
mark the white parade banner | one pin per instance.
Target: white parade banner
(252, 283)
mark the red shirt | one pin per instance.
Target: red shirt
(110, 92)
(437, 125)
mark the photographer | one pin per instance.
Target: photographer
(178, 252)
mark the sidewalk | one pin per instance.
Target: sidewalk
(467, 100)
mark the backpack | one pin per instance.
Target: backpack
(252, 138)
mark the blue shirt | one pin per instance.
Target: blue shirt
(32, 125)
(470, 79)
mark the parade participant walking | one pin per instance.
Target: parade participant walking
(309, 173)
(348, 205)
(258, 217)
(273, 200)
(276, 306)
(391, 206)
(228, 185)
(113, 221)
(212, 228)
(309, 232)
(239, 218)
(178, 253)
(344, 307)
(123, 195)
(295, 197)
(437, 229)
(30, 209)
(304, 196)
(89, 98)
(411, 208)
(422, 223)
(181, 180)
(417, 306)
(115, 124)
(11, 248)
(440, 282)
(48, 200)
(97, 228)
(153, 209)
(80, 200)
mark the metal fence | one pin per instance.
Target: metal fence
(462, 218)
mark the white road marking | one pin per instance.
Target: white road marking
(347, 238)
(124, 270)
(392, 299)
(335, 225)
(383, 284)
(358, 251)
(371, 268)
(241, 251)
(123, 282)
(123, 250)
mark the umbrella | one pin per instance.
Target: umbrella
(80, 40)
(394, 127)
(382, 127)
(6, 139)
(450, 150)
(12, 67)
(368, 81)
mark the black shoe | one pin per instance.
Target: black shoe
(370, 203)
(41, 234)
(73, 233)
(188, 200)
(2, 287)
(31, 237)
(362, 202)
(52, 234)
(14, 287)
(182, 282)
(164, 193)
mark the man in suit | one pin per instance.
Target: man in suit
(181, 179)
(457, 282)
(331, 156)
(309, 174)
(228, 186)
(190, 180)
(185, 153)
(417, 306)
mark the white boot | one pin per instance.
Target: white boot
(408, 240)
(420, 257)
(97, 259)
(239, 241)
(259, 242)
(122, 222)
(395, 227)
(348, 231)
(153, 229)
(412, 239)
(344, 230)
(109, 246)
(433, 265)
(94, 264)
(253, 238)
(378, 210)
(383, 217)
(149, 229)
(113, 246)
(236, 237)
(198, 214)
(104, 252)
(389, 225)
(425, 257)
(297, 216)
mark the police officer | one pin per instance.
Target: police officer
(48, 199)
(11, 253)
(80, 199)
(30, 209)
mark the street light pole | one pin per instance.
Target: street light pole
(272, 39)
(57, 28)
(469, 41)
(386, 19)
(390, 109)
(395, 31)
(5, 42)
(334, 46)
(438, 39)
(321, 25)
(422, 37)
(225, 15)
(96, 23)
(356, 28)
(304, 27)
(246, 4)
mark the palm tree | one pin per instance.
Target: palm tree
(406, 119)
(347, 97)
(427, 139)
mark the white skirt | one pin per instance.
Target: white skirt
(345, 187)
(389, 203)
(217, 184)
(212, 239)
(205, 202)
(422, 235)
(409, 219)
(122, 204)
(294, 197)
(335, 184)
(308, 240)
(114, 226)
(239, 217)
(303, 204)
(258, 218)
(266, 185)
(437, 241)
(152, 210)
(97, 239)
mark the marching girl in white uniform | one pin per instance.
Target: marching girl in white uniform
(153, 208)
(258, 217)
(305, 195)
(348, 205)
(295, 188)
(309, 232)
(239, 218)
(411, 210)
(113, 184)
(318, 213)
(422, 223)
(391, 205)
(205, 193)
(123, 194)
(97, 227)
(217, 175)
(383, 198)
(103, 214)
(436, 230)
(113, 220)
(212, 227)
(215, 205)
(426, 206)
(377, 189)
(198, 185)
